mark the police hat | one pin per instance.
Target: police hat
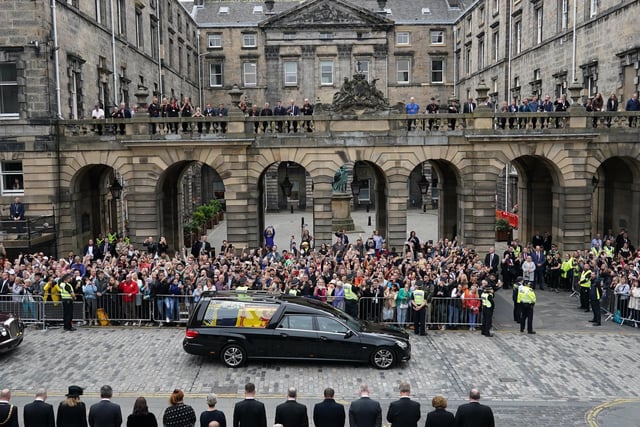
(519, 279)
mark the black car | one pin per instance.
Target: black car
(240, 327)
(11, 332)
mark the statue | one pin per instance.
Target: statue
(359, 93)
(340, 180)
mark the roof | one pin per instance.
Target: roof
(251, 13)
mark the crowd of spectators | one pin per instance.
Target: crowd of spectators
(151, 283)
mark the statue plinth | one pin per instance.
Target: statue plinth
(341, 208)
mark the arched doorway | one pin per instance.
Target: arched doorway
(182, 189)
(537, 181)
(285, 197)
(95, 210)
(424, 202)
(616, 197)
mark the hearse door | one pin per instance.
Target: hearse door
(295, 337)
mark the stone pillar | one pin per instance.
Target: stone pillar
(307, 77)
(241, 195)
(478, 207)
(578, 118)
(573, 215)
(396, 227)
(273, 73)
(322, 215)
(142, 208)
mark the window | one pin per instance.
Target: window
(496, 6)
(437, 37)
(223, 10)
(249, 40)
(593, 8)
(301, 323)
(403, 38)
(362, 67)
(326, 35)
(290, 73)
(564, 14)
(180, 59)
(496, 45)
(403, 67)
(289, 36)
(250, 73)
(257, 10)
(437, 71)
(480, 53)
(326, 73)
(215, 41)
(154, 38)
(518, 37)
(101, 12)
(139, 27)
(8, 90)
(74, 72)
(481, 14)
(539, 25)
(469, 24)
(12, 177)
(171, 52)
(215, 75)
(467, 60)
(169, 12)
(121, 23)
(326, 324)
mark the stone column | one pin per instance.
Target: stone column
(322, 214)
(478, 207)
(307, 74)
(395, 231)
(241, 195)
(274, 76)
(573, 225)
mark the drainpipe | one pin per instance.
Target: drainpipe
(113, 58)
(160, 86)
(56, 58)
(455, 62)
(509, 52)
(573, 54)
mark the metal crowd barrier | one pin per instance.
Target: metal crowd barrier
(441, 312)
(173, 308)
(619, 308)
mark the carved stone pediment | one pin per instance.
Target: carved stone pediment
(358, 95)
(327, 14)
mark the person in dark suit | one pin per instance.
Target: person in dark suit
(328, 413)
(292, 413)
(439, 417)
(492, 260)
(404, 412)
(17, 212)
(474, 414)
(8, 412)
(105, 413)
(365, 412)
(39, 413)
(201, 247)
(72, 412)
(469, 106)
(249, 412)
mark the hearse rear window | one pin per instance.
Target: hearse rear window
(238, 314)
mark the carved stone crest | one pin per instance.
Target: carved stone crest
(358, 94)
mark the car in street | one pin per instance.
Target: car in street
(11, 331)
(237, 328)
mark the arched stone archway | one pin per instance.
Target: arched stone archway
(538, 196)
(94, 210)
(616, 197)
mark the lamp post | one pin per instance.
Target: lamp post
(287, 185)
(116, 190)
(424, 187)
(355, 187)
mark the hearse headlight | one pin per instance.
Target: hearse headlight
(403, 345)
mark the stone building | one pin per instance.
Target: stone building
(289, 49)
(525, 48)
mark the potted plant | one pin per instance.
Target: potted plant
(503, 230)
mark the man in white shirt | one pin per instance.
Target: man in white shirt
(97, 114)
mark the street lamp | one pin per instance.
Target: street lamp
(116, 188)
(424, 187)
(287, 185)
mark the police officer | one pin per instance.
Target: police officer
(67, 296)
(526, 299)
(595, 293)
(418, 304)
(350, 300)
(487, 311)
(514, 296)
(585, 286)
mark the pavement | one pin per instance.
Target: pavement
(568, 374)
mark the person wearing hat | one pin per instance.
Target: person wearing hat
(487, 311)
(516, 306)
(72, 412)
(526, 299)
(67, 295)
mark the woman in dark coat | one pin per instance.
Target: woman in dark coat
(141, 417)
(72, 412)
(439, 417)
